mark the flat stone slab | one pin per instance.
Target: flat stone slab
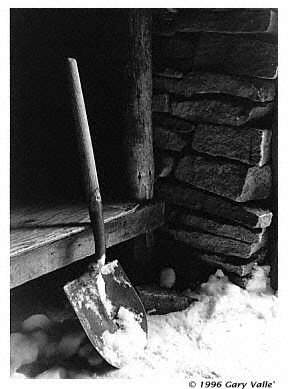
(168, 140)
(157, 300)
(160, 103)
(172, 123)
(197, 200)
(255, 89)
(235, 181)
(240, 267)
(219, 20)
(219, 111)
(234, 231)
(237, 54)
(216, 244)
(248, 145)
(224, 53)
(233, 20)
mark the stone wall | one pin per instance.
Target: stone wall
(214, 91)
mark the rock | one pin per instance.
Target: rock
(41, 339)
(168, 73)
(160, 103)
(210, 204)
(83, 375)
(225, 53)
(237, 54)
(216, 244)
(203, 223)
(176, 47)
(219, 111)
(38, 321)
(172, 123)
(88, 352)
(219, 20)
(238, 266)
(237, 182)
(248, 145)
(232, 20)
(167, 277)
(168, 140)
(161, 301)
(70, 344)
(95, 360)
(85, 350)
(50, 351)
(163, 164)
(258, 90)
(238, 280)
(23, 350)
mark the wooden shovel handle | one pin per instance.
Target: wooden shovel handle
(90, 178)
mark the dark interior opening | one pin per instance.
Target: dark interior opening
(44, 160)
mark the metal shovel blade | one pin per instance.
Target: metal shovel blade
(96, 298)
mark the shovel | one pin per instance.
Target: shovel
(98, 295)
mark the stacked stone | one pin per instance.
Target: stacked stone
(214, 86)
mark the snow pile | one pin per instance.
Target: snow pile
(228, 332)
(128, 342)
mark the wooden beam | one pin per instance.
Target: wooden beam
(138, 142)
(44, 240)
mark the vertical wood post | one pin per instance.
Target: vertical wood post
(138, 141)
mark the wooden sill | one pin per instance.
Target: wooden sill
(48, 237)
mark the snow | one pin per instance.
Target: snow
(128, 342)
(102, 294)
(53, 373)
(228, 332)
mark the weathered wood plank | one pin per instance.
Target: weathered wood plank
(35, 226)
(208, 203)
(138, 114)
(45, 241)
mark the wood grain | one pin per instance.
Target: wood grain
(138, 142)
(45, 239)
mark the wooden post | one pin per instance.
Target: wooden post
(138, 142)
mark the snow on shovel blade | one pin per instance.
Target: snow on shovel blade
(96, 298)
